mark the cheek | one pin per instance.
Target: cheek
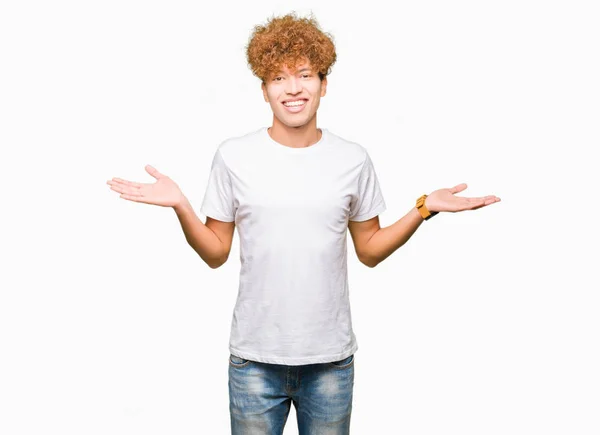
(272, 96)
(318, 91)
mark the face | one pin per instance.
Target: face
(294, 95)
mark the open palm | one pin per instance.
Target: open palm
(164, 192)
(445, 200)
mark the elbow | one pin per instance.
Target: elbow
(368, 261)
(370, 264)
(215, 263)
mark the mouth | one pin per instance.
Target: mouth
(295, 106)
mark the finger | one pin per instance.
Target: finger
(134, 198)
(492, 200)
(126, 190)
(488, 200)
(458, 188)
(125, 182)
(470, 203)
(130, 187)
(152, 171)
(483, 204)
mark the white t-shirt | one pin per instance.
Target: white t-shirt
(291, 207)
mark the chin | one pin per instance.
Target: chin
(294, 122)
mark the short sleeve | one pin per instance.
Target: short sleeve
(368, 201)
(218, 199)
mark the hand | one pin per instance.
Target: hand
(444, 200)
(164, 192)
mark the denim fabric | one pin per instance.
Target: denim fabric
(260, 396)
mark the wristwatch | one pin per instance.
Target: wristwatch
(426, 214)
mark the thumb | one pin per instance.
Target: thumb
(458, 188)
(152, 171)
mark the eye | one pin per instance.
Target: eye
(276, 79)
(305, 76)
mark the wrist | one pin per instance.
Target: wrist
(426, 203)
(181, 205)
(422, 208)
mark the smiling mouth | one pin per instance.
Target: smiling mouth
(298, 103)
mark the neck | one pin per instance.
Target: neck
(295, 137)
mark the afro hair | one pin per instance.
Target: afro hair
(288, 41)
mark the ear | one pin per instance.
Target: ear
(323, 86)
(264, 90)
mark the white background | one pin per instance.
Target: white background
(485, 322)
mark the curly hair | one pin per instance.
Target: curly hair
(288, 41)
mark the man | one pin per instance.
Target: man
(293, 190)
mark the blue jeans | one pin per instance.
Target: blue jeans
(260, 396)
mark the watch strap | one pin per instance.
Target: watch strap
(425, 213)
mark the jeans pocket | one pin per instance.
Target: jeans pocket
(343, 363)
(236, 361)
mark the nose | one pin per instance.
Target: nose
(293, 86)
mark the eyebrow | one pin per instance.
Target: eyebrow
(299, 71)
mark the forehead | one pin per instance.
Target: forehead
(301, 66)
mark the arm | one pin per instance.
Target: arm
(212, 241)
(374, 244)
